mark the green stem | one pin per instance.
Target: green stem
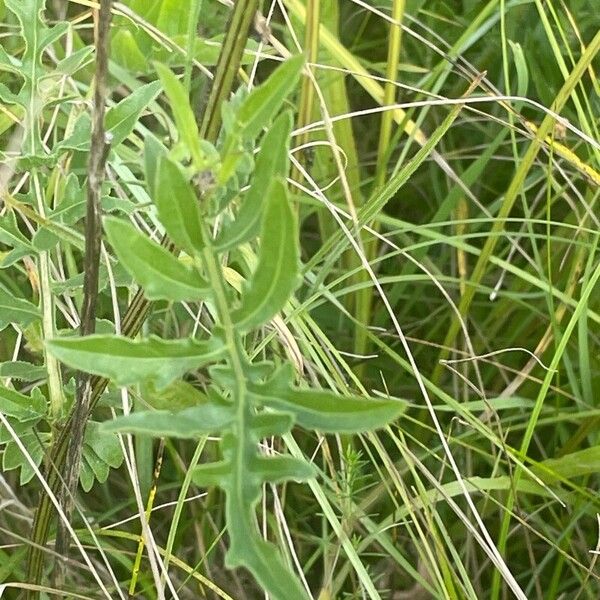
(55, 393)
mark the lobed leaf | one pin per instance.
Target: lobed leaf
(161, 274)
(127, 362)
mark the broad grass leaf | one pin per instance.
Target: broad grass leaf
(272, 161)
(178, 207)
(126, 52)
(186, 424)
(173, 17)
(182, 113)
(121, 119)
(276, 275)
(16, 310)
(266, 100)
(575, 464)
(127, 362)
(161, 275)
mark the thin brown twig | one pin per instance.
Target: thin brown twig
(93, 239)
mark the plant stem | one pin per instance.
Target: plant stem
(93, 239)
(138, 309)
(55, 393)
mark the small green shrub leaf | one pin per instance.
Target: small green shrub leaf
(276, 275)
(105, 445)
(162, 276)
(266, 100)
(178, 207)
(127, 362)
(272, 161)
(186, 424)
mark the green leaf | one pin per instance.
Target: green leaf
(127, 362)
(178, 207)
(97, 466)
(212, 474)
(182, 112)
(264, 101)
(576, 464)
(276, 275)
(105, 445)
(13, 457)
(154, 150)
(121, 119)
(521, 66)
(23, 371)
(186, 424)
(326, 411)
(37, 36)
(12, 237)
(272, 161)
(126, 52)
(75, 61)
(20, 406)
(261, 558)
(272, 423)
(162, 276)
(275, 469)
(16, 310)
(173, 17)
(176, 396)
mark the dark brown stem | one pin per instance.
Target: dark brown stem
(93, 239)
